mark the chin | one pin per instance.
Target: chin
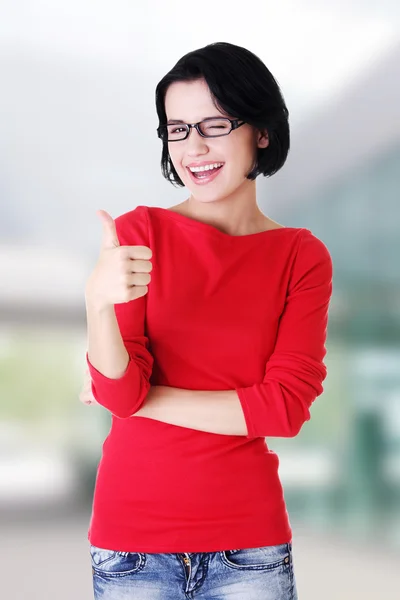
(210, 193)
(206, 198)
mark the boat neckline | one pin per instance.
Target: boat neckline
(211, 228)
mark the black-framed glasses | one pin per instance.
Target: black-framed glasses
(209, 128)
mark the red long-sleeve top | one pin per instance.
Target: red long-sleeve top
(246, 313)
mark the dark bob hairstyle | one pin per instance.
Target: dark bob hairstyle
(241, 86)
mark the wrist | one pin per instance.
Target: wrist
(94, 302)
(95, 305)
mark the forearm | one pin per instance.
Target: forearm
(106, 349)
(211, 411)
(120, 375)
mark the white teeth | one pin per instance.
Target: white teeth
(205, 168)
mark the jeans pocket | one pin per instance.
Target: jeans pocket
(114, 563)
(261, 558)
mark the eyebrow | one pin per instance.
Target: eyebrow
(173, 121)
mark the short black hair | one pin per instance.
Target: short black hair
(240, 85)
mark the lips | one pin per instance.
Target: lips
(207, 176)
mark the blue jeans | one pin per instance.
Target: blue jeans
(264, 573)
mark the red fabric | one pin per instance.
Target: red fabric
(246, 313)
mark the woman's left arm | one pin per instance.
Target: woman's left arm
(210, 411)
(279, 405)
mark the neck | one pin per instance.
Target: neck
(236, 214)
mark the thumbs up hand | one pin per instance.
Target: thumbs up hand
(122, 273)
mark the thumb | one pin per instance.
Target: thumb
(110, 237)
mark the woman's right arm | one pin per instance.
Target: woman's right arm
(118, 356)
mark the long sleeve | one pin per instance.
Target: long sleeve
(279, 405)
(125, 395)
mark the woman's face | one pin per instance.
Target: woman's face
(191, 102)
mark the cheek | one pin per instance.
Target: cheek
(239, 161)
(240, 151)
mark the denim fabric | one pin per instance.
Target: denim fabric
(264, 573)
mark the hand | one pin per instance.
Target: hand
(86, 395)
(121, 273)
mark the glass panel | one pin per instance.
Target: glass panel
(177, 131)
(215, 127)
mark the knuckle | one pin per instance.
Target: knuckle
(139, 292)
(126, 295)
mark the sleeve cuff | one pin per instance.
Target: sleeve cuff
(103, 380)
(251, 433)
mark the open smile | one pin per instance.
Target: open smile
(203, 177)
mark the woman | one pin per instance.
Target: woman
(223, 348)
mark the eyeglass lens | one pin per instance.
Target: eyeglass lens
(211, 128)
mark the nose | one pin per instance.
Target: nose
(195, 143)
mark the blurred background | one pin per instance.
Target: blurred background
(78, 133)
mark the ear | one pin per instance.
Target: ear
(262, 139)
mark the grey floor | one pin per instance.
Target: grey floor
(47, 558)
